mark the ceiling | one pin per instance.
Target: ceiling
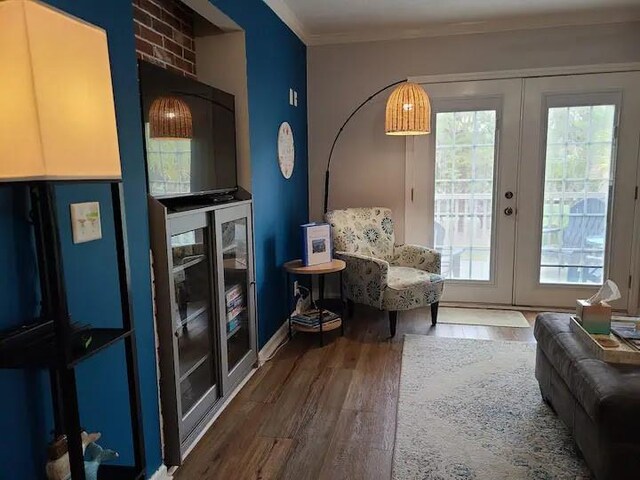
(336, 21)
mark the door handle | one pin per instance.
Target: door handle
(508, 211)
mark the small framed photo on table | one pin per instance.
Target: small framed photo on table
(317, 243)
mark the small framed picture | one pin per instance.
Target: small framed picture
(317, 243)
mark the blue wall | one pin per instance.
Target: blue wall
(276, 60)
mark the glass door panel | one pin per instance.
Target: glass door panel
(236, 295)
(464, 187)
(461, 182)
(193, 316)
(578, 177)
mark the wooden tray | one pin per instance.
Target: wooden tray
(622, 353)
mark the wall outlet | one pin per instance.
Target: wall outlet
(291, 96)
(295, 98)
(295, 288)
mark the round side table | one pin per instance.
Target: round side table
(296, 267)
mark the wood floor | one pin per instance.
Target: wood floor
(323, 413)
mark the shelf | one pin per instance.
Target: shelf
(234, 331)
(193, 368)
(189, 263)
(43, 355)
(194, 310)
(119, 472)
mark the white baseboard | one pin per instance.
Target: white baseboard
(161, 474)
(274, 342)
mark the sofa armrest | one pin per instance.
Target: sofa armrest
(364, 279)
(417, 256)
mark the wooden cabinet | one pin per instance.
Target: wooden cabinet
(205, 313)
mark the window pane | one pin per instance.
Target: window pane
(578, 166)
(463, 212)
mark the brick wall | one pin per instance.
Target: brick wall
(164, 34)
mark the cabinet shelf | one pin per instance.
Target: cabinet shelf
(193, 367)
(234, 331)
(194, 310)
(42, 353)
(189, 263)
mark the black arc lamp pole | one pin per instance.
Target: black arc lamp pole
(335, 140)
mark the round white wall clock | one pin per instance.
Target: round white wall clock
(286, 150)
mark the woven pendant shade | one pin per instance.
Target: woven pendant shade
(408, 111)
(170, 117)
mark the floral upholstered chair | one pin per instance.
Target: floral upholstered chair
(380, 273)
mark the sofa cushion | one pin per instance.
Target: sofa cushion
(609, 393)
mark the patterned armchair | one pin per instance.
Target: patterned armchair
(379, 273)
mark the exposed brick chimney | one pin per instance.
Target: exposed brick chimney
(165, 34)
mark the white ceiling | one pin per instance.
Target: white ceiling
(334, 21)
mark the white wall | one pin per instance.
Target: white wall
(368, 166)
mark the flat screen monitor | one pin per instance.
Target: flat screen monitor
(203, 164)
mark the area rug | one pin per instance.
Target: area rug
(471, 409)
(481, 316)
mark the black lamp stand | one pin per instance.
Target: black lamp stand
(335, 140)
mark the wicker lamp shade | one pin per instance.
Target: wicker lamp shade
(170, 117)
(408, 111)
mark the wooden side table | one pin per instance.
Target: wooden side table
(296, 267)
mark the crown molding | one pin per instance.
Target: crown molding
(290, 19)
(488, 26)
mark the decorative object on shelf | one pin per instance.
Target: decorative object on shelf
(85, 222)
(316, 239)
(65, 134)
(408, 113)
(286, 150)
(170, 118)
(58, 467)
(309, 321)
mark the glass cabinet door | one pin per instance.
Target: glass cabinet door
(235, 272)
(193, 316)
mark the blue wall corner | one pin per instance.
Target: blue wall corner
(276, 61)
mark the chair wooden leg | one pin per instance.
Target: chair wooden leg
(434, 313)
(350, 307)
(393, 320)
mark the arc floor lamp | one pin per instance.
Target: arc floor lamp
(408, 112)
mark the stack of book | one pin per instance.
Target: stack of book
(234, 299)
(311, 319)
(628, 332)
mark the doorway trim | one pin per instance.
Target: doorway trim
(633, 303)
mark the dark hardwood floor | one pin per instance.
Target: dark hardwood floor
(326, 413)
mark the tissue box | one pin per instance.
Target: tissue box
(596, 318)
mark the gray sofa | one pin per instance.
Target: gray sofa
(598, 401)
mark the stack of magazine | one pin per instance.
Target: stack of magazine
(628, 332)
(235, 307)
(311, 319)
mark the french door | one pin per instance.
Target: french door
(527, 187)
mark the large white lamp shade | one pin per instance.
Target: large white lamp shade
(57, 117)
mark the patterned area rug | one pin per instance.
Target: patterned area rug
(471, 409)
(482, 316)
